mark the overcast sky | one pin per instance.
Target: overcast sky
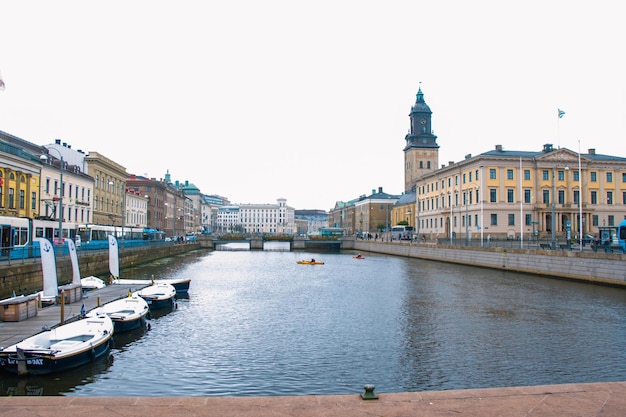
(309, 101)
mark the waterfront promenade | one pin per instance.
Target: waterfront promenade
(581, 400)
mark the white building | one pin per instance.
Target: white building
(136, 209)
(273, 219)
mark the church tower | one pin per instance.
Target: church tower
(421, 153)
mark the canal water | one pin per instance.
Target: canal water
(257, 323)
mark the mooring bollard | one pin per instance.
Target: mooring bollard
(369, 393)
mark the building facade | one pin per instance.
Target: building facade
(20, 171)
(522, 194)
(109, 188)
(508, 194)
(269, 219)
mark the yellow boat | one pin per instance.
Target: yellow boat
(309, 262)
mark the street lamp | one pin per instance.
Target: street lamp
(60, 214)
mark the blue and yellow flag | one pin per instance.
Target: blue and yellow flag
(561, 113)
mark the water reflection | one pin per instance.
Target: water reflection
(256, 323)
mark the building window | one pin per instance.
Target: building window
(33, 201)
(464, 178)
(509, 196)
(594, 220)
(576, 175)
(609, 197)
(609, 177)
(594, 197)
(22, 201)
(527, 196)
(594, 177)
(528, 219)
(623, 197)
(11, 198)
(492, 173)
(493, 195)
(576, 197)
(494, 219)
(509, 174)
(511, 219)
(546, 197)
(545, 174)
(623, 176)
(611, 220)
(527, 175)
(561, 196)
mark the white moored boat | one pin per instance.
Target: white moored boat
(128, 313)
(64, 347)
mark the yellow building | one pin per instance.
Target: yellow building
(522, 194)
(20, 169)
(548, 193)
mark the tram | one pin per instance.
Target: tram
(96, 236)
(18, 235)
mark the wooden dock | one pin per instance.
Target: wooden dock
(49, 317)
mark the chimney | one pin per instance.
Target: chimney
(591, 151)
(380, 190)
(547, 147)
(450, 163)
(57, 141)
(499, 148)
(468, 156)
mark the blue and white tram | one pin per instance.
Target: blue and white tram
(97, 235)
(18, 235)
(15, 236)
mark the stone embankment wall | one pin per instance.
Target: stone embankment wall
(25, 276)
(597, 267)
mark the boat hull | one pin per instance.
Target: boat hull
(159, 303)
(158, 296)
(122, 326)
(309, 263)
(34, 356)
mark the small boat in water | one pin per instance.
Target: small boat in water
(158, 295)
(127, 314)
(311, 262)
(61, 348)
